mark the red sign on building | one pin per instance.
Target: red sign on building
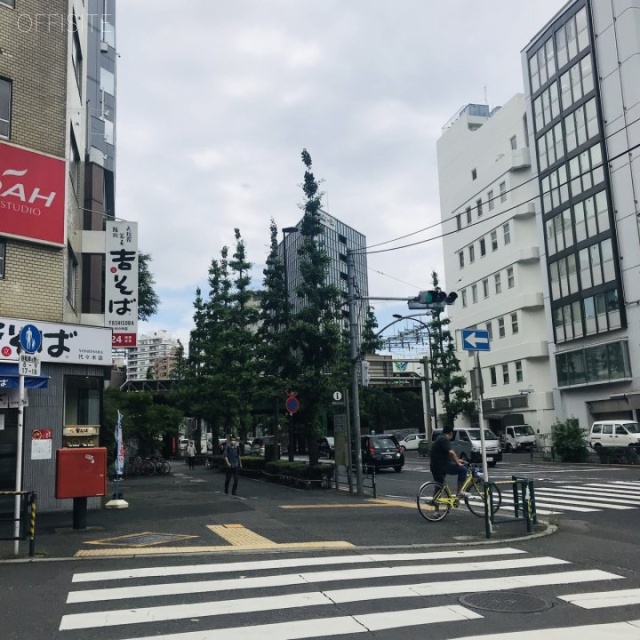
(31, 195)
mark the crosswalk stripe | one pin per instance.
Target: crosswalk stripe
(603, 495)
(282, 563)
(632, 497)
(621, 598)
(324, 627)
(598, 485)
(560, 504)
(619, 630)
(571, 499)
(316, 598)
(96, 595)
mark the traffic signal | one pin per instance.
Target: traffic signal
(433, 296)
(452, 296)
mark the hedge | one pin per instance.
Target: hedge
(620, 455)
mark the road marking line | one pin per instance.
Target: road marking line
(371, 503)
(238, 536)
(281, 563)
(594, 494)
(316, 598)
(583, 501)
(369, 573)
(622, 598)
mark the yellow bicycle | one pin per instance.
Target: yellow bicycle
(435, 500)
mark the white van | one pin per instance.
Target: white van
(468, 446)
(614, 433)
(519, 437)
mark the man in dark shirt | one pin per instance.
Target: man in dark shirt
(444, 460)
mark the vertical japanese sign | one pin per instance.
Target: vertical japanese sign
(121, 283)
(119, 447)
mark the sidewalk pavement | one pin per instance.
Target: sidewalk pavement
(187, 512)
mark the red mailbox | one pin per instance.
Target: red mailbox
(81, 473)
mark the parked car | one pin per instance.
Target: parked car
(520, 437)
(467, 444)
(327, 447)
(381, 452)
(258, 445)
(411, 442)
(614, 433)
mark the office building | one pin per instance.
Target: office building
(153, 358)
(55, 195)
(492, 260)
(336, 238)
(581, 75)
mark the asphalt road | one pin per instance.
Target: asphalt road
(584, 580)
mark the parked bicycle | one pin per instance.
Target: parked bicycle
(435, 500)
(138, 466)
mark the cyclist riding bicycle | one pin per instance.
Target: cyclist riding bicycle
(444, 461)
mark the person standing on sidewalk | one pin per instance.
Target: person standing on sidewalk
(191, 454)
(233, 464)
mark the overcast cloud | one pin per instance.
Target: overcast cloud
(216, 100)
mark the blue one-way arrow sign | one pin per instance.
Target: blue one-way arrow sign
(475, 340)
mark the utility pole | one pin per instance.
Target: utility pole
(355, 359)
(426, 398)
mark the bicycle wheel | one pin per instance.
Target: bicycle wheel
(475, 501)
(427, 501)
(165, 468)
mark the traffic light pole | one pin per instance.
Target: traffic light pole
(355, 359)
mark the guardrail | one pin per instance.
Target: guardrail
(27, 519)
(524, 504)
(345, 478)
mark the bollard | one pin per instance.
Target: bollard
(32, 526)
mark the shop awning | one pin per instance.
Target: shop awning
(9, 378)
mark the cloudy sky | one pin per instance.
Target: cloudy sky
(217, 98)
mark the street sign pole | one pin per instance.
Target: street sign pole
(485, 469)
(19, 449)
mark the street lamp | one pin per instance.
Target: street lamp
(285, 232)
(426, 326)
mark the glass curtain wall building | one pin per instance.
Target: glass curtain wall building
(583, 209)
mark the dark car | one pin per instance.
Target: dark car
(327, 447)
(382, 452)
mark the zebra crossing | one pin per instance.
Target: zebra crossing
(415, 594)
(583, 498)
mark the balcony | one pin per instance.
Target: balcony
(520, 159)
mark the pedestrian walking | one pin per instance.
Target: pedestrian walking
(233, 464)
(191, 454)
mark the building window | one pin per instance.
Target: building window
(492, 375)
(468, 215)
(483, 247)
(490, 200)
(600, 363)
(461, 259)
(474, 293)
(511, 281)
(9, 3)
(72, 272)
(74, 164)
(479, 207)
(494, 241)
(3, 257)
(498, 283)
(505, 374)
(5, 107)
(472, 253)
(503, 192)
(513, 141)
(342, 239)
(501, 330)
(459, 222)
(519, 377)
(76, 55)
(489, 328)
(474, 174)
(514, 323)
(464, 297)
(506, 231)
(485, 287)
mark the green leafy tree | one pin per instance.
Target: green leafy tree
(447, 378)
(570, 441)
(316, 335)
(148, 300)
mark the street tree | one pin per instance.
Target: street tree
(316, 335)
(148, 300)
(447, 378)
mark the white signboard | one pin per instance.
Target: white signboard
(121, 283)
(68, 343)
(29, 364)
(41, 449)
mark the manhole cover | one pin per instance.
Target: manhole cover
(505, 602)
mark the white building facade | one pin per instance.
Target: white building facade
(488, 202)
(153, 354)
(581, 81)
